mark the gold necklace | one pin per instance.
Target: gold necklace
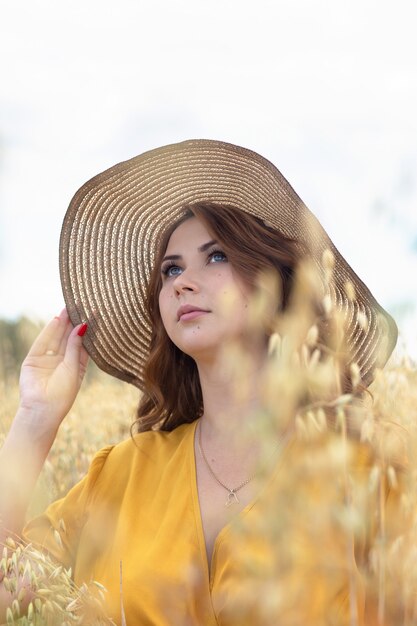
(232, 495)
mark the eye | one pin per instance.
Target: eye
(216, 256)
(170, 269)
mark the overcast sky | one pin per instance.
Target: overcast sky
(327, 90)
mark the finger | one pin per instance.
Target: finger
(75, 353)
(84, 357)
(63, 313)
(64, 339)
(58, 344)
(49, 339)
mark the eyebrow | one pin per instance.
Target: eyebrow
(203, 248)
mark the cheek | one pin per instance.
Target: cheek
(233, 303)
(167, 306)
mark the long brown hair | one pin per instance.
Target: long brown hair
(172, 393)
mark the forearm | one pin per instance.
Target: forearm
(22, 457)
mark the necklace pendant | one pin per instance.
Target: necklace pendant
(231, 498)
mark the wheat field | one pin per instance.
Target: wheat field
(387, 422)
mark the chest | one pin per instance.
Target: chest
(217, 507)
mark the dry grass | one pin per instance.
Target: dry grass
(48, 595)
(340, 493)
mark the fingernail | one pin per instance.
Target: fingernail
(82, 330)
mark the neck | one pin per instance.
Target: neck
(230, 389)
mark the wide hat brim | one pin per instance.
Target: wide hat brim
(114, 224)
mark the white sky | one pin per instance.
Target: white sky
(327, 90)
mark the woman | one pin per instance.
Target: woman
(161, 258)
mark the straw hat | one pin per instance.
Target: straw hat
(113, 225)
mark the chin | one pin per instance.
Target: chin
(199, 343)
(198, 352)
(198, 349)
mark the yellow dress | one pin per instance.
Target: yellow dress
(135, 520)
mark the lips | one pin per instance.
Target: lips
(189, 308)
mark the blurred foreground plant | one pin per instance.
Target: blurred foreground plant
(43, 593)
(335, 541)
(338, 522)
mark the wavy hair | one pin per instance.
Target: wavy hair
(172, 393)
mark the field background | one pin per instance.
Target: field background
(105, 408)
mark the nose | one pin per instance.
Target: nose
(186, 281)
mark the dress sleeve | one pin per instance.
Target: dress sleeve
(58, 529)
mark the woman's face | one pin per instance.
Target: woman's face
(203, 302)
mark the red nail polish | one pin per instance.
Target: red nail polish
(82, 330)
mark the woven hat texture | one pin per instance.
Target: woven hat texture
(114, 223)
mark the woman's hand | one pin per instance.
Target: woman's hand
(52, 373)
(50, 378)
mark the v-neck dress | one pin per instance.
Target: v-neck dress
(137, 512)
